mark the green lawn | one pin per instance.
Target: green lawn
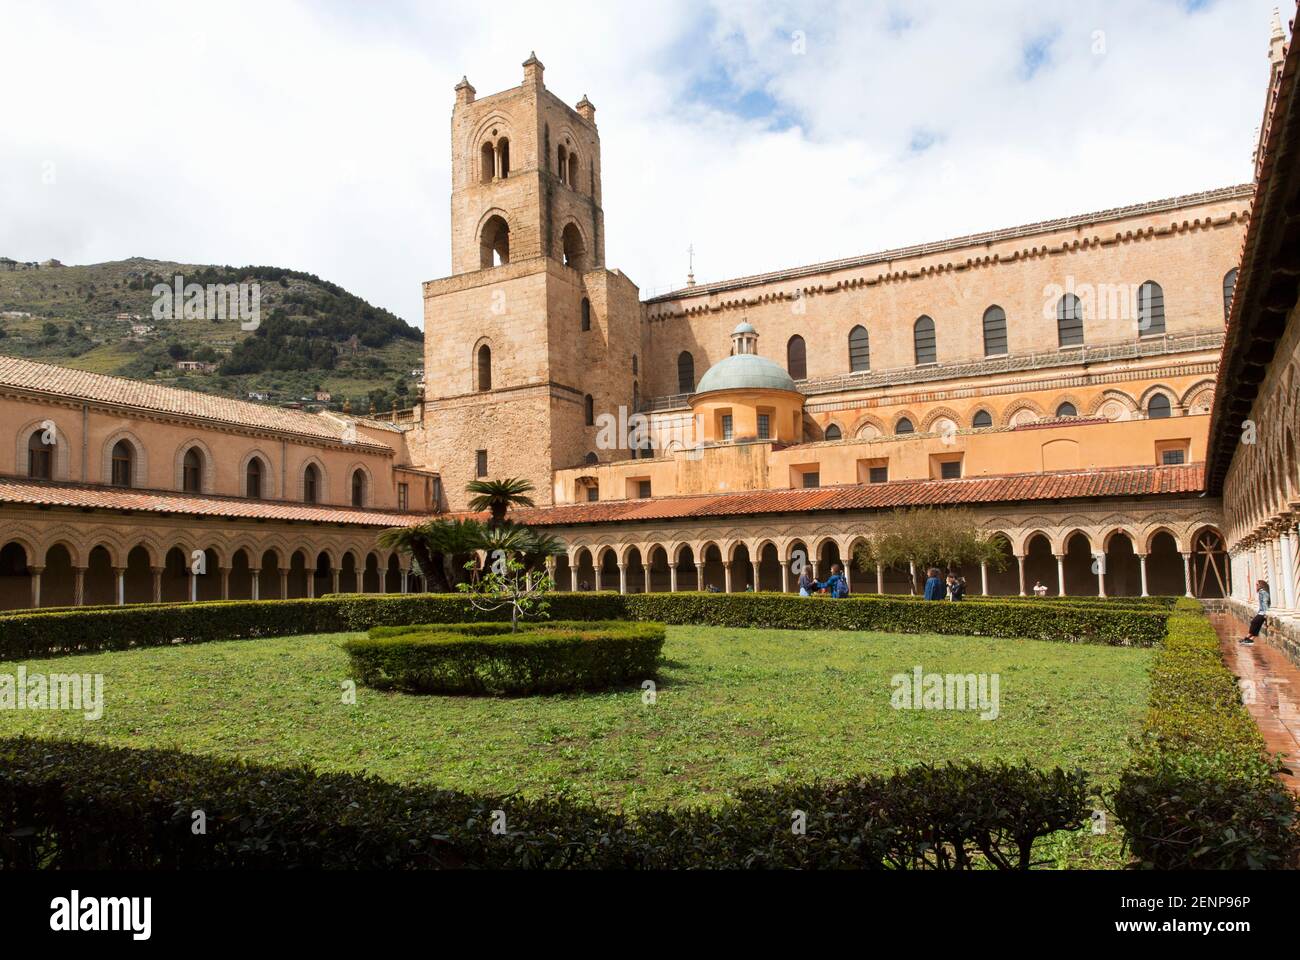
(734, 707)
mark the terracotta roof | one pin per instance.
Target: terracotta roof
(36, 493)
(1012, 488)
(1267, 281)
(1239, 192)
(143, 395)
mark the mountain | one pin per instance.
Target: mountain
(311, 335)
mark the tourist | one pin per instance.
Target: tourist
(949, 583)
(837, 585)
(807, 583)
(934, 586)
(958, 588)
(1257, 625)
(1039, 589)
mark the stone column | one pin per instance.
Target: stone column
(256, 582)
(225, 582)
(785, 577)
(1060, 574)
(645, 569)
(36, 585)
(157, 583)
(848, 578)
(311, 583)
(78, 586)
(699, 577)
(757, 582)
(119, 579)
(406, 578)
(336, 576)
(1187, 573)
(880, 579)
(284, 584)
(1020, 562)
(596, 568)
(726, 576)
(911, 586)
(1100, 560)
(1142, 566)
(1288, 569)
(622, 578)
(672, 577)
(984, 578)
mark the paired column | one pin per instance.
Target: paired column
(785, 576)
(699, 577)
(1288, 568)
(78, 586)
(1142, 567)
(984, 578)
(284, 584)
(225, 582)
(157, 583)
(1187, 574)
(119, 579)
(672, 577)
(622, 578)
(36, 585)
(757, 582)
(1060, 574)
(1020, 562)
(880, 579)
(726, 576)
(256, 573)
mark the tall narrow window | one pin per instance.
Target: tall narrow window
(192, 471)
(634, 365)
(573, 170)
(503, 158)
(358, 488)
(484, 379)
(1159, 408)
(796, 358)
(253, 479)
(403, 496)
(40, 459)
(123, 459)
(995, 332)
(764, 426)
(685, 373)
(494, 244)
(1151, 310)
(480, 463)
(859, 350)
(586, 315)
(311, 484)
(1069, 321)
(923, 342)
(487, 163)
(1229, 287)
(726, 426)
(589, 410)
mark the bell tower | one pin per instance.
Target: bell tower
(530, 339)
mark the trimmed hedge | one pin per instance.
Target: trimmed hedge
(477, 659)
(76, 805)
(1201, 791)
(42, 634)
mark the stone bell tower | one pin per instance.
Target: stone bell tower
(530, 336)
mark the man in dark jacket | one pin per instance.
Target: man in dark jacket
(934, 589)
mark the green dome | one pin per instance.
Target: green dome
(746, 371)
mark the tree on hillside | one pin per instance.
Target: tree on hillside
(929, 537)
(499, 496)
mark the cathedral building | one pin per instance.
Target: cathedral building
(1080, 385)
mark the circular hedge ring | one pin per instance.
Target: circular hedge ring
(487, 659)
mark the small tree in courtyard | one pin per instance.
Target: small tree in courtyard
(507, 583)
(929, 537)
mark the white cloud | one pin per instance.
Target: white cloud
(315, 135)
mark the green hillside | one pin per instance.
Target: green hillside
(312, 336)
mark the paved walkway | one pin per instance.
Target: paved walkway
(1276, 706)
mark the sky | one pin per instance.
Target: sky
(315, 134)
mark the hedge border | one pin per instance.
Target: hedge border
(39, 635)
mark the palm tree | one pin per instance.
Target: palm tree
(441, 548)
(498, 496)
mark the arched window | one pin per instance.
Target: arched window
(982, 420)
(40, 457)
(1069, 321)
(589, 410)
(563, 158)
(358, 488)
(573, 170)
(483, 382)
(923, 342)
(586, 315)
(1151, 310)
(833, 432)
(859, 350)
(503, 158)
(995, 332)
(311, 484)
(253, 479)
(494, 244)
(904, 426)
(571, 241)
(796, 358)
(634, 365)
(1229, 287)
(1158, 407)
(1067, 409)
(123, 463)
(192, 471)
(685, 372)
(487, 163)
(591, 460)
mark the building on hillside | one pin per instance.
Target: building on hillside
(1252, 460)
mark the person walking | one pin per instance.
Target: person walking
(934, 589)
(1261, 614)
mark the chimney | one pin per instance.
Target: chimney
(464, 92)
(587, 110)
(533, 72)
